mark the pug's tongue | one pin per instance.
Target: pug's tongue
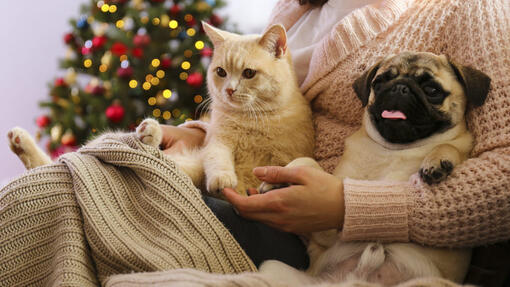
(394, 115)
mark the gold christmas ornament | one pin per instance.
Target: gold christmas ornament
(107, 58)
(70, 77)
(56, 133)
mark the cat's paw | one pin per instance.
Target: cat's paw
(435, 171)
(149, 132)
(20, 141)
(218, 181)
(265, 186)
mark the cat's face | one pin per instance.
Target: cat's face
(248, 72)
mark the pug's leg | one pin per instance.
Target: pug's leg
(300, 161)
(439, 163)
(22, 144)
(149, 132)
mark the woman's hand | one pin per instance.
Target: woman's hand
(314, 202)
(176, 139)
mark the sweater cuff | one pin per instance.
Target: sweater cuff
(196, 124)
(376, 211)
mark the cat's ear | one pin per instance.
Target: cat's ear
(216, 35)
(275, 40)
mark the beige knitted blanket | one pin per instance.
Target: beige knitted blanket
(116, 206)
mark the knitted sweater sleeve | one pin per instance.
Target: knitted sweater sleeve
(472, 207)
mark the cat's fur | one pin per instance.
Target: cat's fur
(258, 121)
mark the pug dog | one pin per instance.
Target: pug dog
(413, 122)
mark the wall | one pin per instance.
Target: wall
(31, 33)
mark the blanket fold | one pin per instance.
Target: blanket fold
(116, 206)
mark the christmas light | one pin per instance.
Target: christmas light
(105, 8)
(167, 93)
(148, 78)
(185, 65)
(198, 99)
(188, 53)
(119, 24)
(133, 84)
(146, 86)
(113, 8)
(152, 101)
(123, 58)
(183, 76)
(164, 20)
(88, 44)
(160, 74)
(199, 45)
(191, 32)
(167, 115)
(155, 21)
(144, 19)
(155, 63)
(188, 17)
(155, 81)
(176, 112)
(103, 68)
(124, 64)
(87, 63)
(173, 24)
(156, 113)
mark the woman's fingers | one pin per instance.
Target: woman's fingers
(278, 174)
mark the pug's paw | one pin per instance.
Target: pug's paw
(217, 181)
(436, 171)
(149, 132)
(266, 187)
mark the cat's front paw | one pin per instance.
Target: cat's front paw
(149, 132)
(435, 171)
(218, 181)
(20, 141)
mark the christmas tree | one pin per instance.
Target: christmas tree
(128, 60)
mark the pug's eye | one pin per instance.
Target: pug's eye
(221, 72)
(249, 73)
(434, 95)
(431, 90)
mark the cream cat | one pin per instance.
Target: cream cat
(258, 115)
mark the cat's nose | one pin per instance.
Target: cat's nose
(230, 91)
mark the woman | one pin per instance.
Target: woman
(331, 47)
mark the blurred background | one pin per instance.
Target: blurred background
(32, 43)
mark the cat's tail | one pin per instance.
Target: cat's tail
(189, 161)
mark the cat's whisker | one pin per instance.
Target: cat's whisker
(203, 107)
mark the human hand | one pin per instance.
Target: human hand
(315, 201)
(175, 139)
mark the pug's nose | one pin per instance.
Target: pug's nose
(401, 89)
(230, 91)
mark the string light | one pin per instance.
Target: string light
(152, 101)
(185, 65)
(87, 63)
(167, 115)
(188, 53)
(133, 84)
(160, 74)
(156, 113)
(155, 81)
(176, 112)
(146, 86)
(191, 32)
(199, 45)
(155, 21)
(105, 8)
(183, 76)
(198, 99)
(148, 78)
(119, 24)
(188, 17)
(123, 58)
(155, 63)
(167, 94)
(103, 68)
(173, 24)
(113, 8)
(144, 19)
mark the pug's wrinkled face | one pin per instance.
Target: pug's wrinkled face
(412, 96)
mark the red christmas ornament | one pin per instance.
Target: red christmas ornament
(68, 139)
(85, 50)
(137, 53)
(195, 80)
(175, 10)
(125, 72)
(215, 20)
(165, 63)
(69, 38)
(206, 52)
(115, 113)
(60, 82)
(141, 40)
(119, 49)
(43, 121)
(97, 90)
(99, 41)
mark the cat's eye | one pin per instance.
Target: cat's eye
(221, 72)
(249, 73)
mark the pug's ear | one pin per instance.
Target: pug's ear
(362, 84)
(476, 83)
(274, 40)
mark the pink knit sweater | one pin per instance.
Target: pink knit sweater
(472, 207)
